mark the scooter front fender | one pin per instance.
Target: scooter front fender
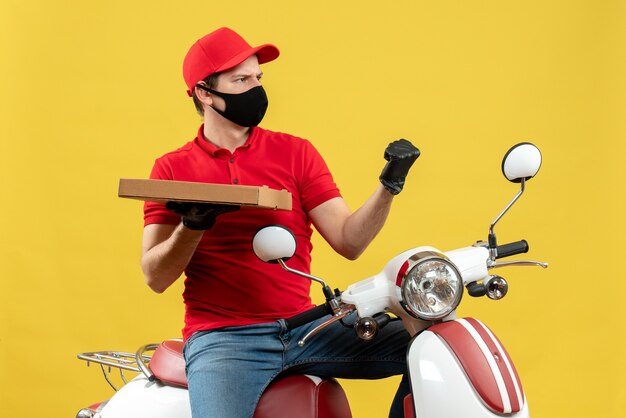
(141, 398)
(460, 369)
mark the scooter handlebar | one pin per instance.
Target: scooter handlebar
(506, 250)
(308, 316)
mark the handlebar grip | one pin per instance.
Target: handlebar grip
(308, 316)
(512, 248)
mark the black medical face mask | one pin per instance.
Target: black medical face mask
(244, 109)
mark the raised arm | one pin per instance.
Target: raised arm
(349, 233)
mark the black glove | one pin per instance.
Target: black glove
(401, 155)
(199, 216)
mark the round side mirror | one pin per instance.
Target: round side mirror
(273, 243)
(521, 162)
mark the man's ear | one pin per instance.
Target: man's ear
(203, 96)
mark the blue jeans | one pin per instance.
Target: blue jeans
(228, 369)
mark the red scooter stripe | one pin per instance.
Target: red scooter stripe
(501, 359)
(473, 361)
(401, 272)
(505, 364)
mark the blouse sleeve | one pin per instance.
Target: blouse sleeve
(316, 184)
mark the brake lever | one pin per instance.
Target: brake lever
(517, 263)
(339, 315)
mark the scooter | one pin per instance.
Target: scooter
(457, 366)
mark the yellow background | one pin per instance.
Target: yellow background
(92, 91)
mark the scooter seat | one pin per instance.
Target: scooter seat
(168, 364)
(289, 396)
(303, 396)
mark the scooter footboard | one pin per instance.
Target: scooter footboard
(460, 368)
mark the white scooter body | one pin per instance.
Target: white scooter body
(141, 398)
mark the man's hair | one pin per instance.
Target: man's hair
(211, 82)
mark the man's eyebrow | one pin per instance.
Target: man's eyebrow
(237, 75)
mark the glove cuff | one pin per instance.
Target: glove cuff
(393, 187)
(198, 226)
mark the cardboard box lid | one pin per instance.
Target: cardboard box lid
(185, 191)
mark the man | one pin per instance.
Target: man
(236, 341)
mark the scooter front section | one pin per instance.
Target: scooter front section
(460, 369)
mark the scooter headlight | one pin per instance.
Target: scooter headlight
(432, 287)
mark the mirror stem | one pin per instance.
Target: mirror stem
(493, 243)
(330, 296)
(299, 273)
(493, 224)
